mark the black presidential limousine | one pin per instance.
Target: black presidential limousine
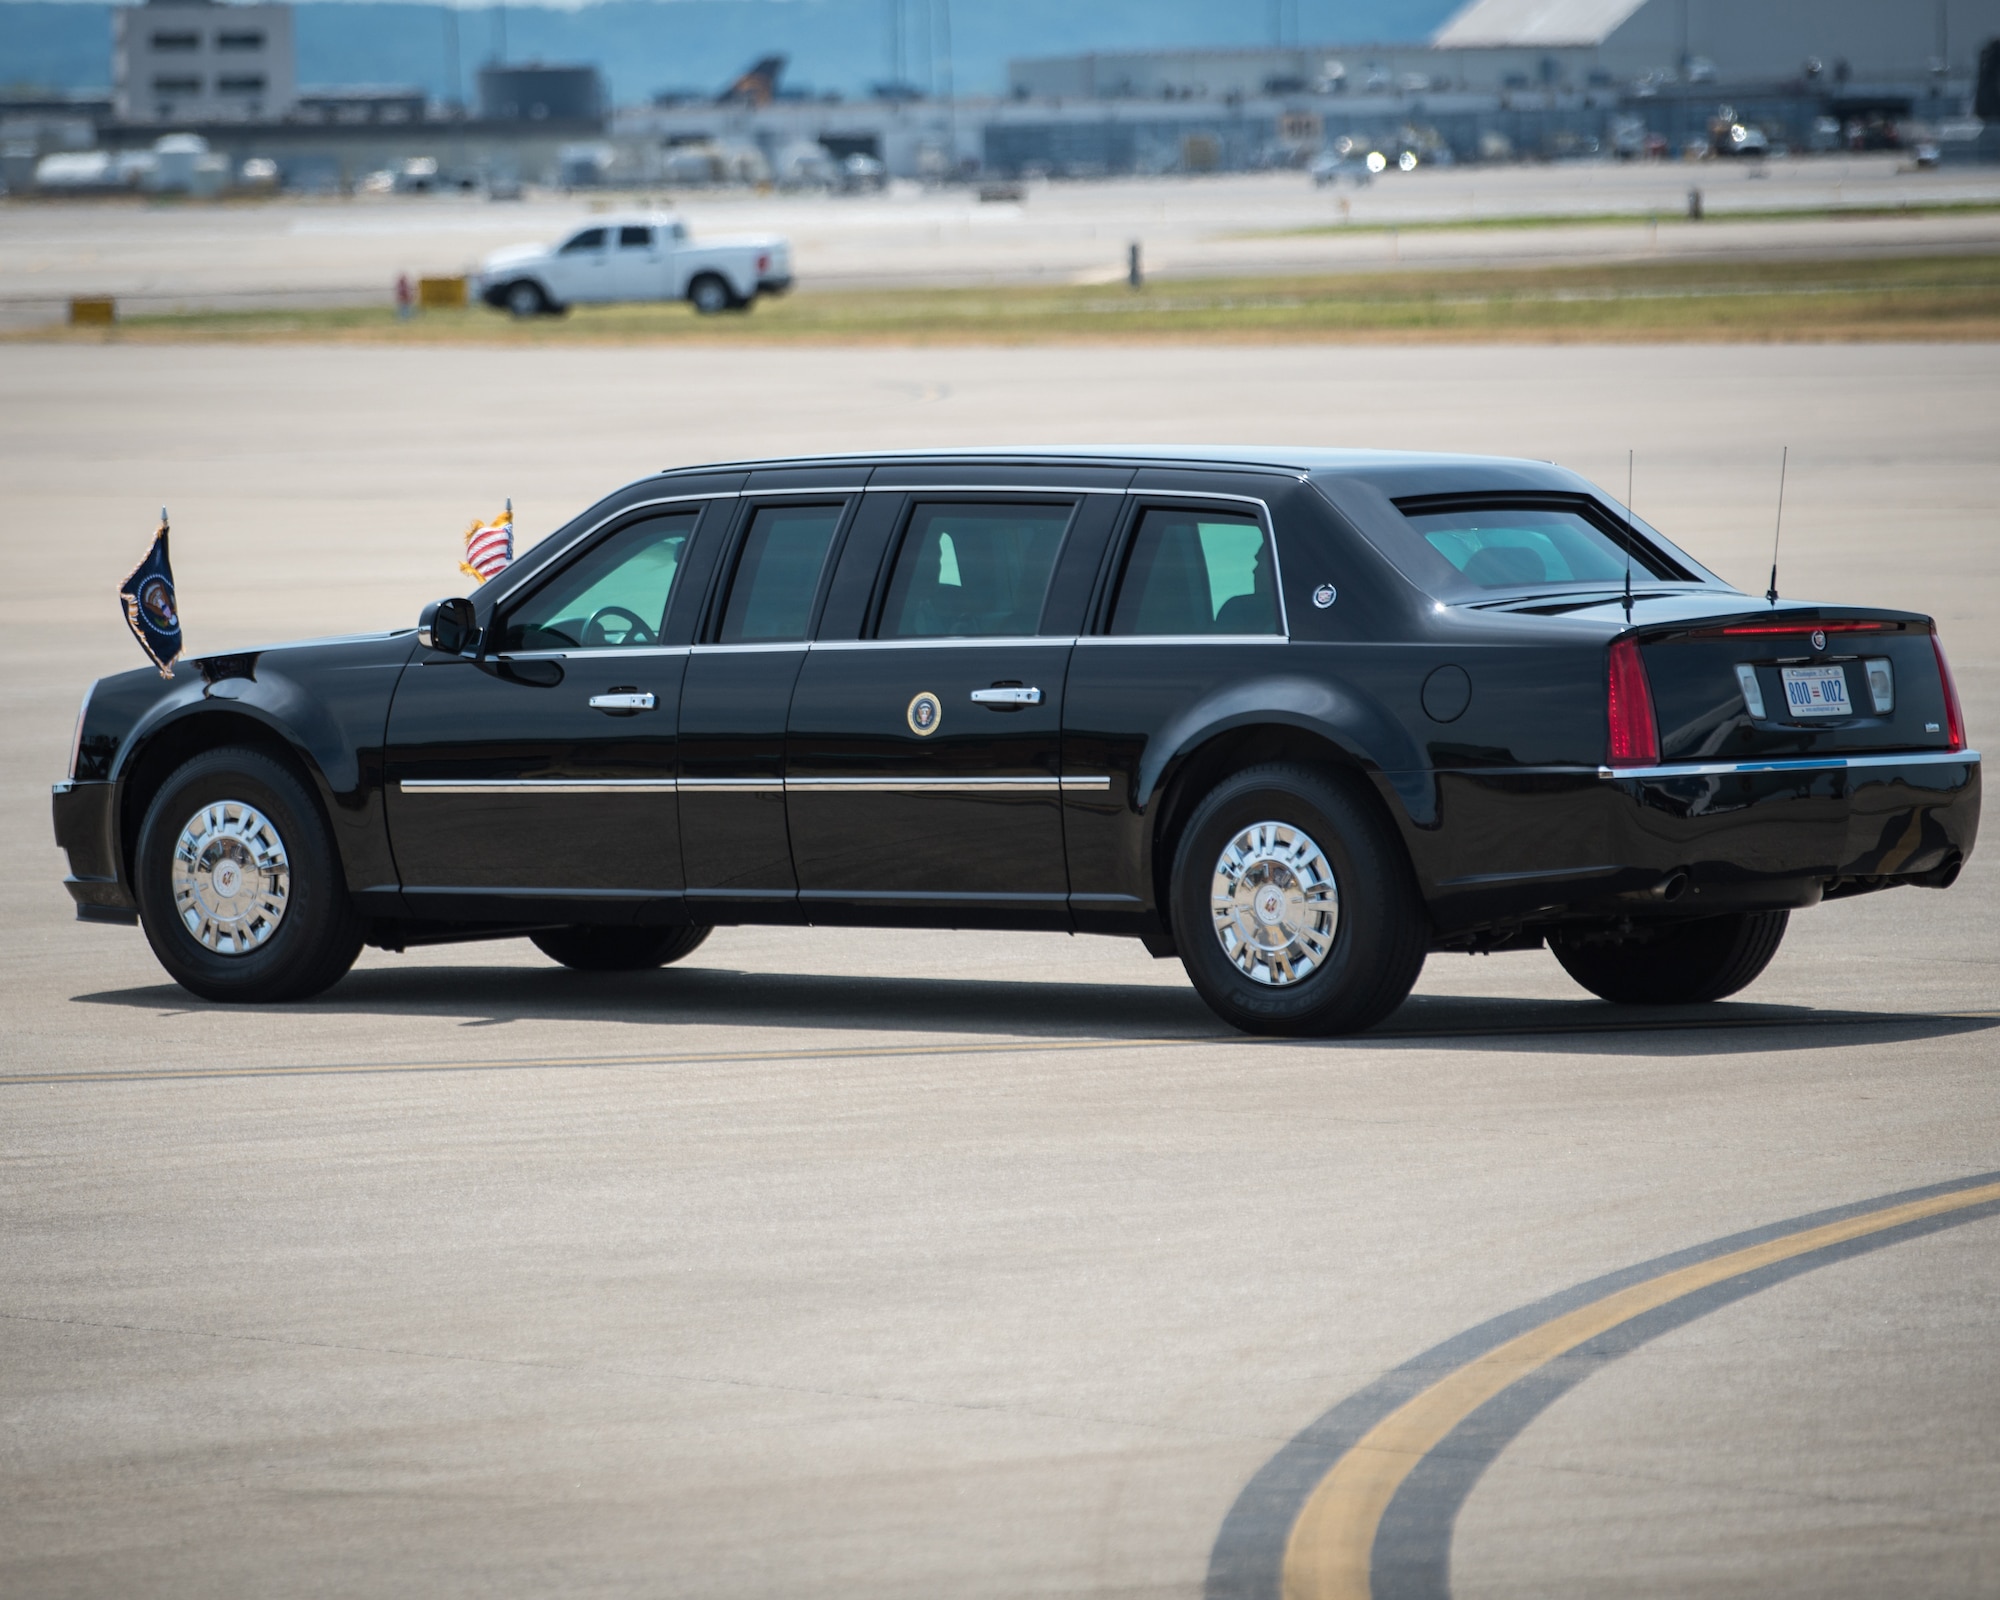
(1296, 716)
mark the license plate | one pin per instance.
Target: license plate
(1816, 692)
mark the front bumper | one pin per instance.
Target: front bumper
(1544, 844)
(86, 822)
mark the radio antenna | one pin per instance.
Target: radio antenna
(1630, 533)
(1771, 594)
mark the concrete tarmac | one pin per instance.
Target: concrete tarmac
(908, 1264)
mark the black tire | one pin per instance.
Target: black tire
(317, 936)
(1671, 963)
(711, 295)
(525, 299)
(1378, 937)
(599, 949)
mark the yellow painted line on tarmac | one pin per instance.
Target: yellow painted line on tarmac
(1329, 1551)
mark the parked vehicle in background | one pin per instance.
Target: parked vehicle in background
(861, 173)
(1728, 137)
(638, 257)
(1355, 166)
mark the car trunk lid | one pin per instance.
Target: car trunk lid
(1800, 681)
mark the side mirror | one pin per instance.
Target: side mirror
(449, 625)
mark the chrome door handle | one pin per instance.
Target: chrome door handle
(1006, 697)
(622, 702)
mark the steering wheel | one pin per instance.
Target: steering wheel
(635, 630)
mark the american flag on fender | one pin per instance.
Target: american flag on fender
(489, 546)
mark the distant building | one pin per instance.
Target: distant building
(196, 61)
(1740, 41)
(1563, 46)
(536, 93)
(364, 104)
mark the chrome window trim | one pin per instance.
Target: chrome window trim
(951, 641)
(736, 785)
(597, 653)
(1730, 769)
(758, 646)
(987, 488)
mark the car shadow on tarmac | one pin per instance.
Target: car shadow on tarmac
(693, 996)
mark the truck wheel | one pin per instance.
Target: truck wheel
(1671, 963)
(598, 949)
(525, 299)
(239, 882)
(711, 295)
(1293, 905)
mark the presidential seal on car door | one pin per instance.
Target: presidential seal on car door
(925, 712)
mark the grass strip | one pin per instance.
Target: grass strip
(1914, 298)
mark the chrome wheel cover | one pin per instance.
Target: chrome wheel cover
(232, 880)
(1274, 904)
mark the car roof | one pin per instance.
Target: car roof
(615, 219)
(1396, 471)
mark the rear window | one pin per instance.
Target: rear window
(1500, 546)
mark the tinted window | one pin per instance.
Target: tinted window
(777, 575)
(635, 238)
(1500, 549)
(614, 596)
(589, 239)
(1193, 573)
(971, 571)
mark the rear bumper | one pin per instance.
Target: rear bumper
(86, 823)
(1542, 845)
(774, 285)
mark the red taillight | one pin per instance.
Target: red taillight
(1954, 718)
(1635, 736)
(763, 263)
(1737, 630)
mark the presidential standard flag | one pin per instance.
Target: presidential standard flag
(489, 546)
(151, 611)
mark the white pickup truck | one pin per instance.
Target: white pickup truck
(639, 257)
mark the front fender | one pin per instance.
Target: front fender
(272, 700)
(327, 706)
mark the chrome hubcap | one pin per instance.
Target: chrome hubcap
(1274, 903)
(232, 879)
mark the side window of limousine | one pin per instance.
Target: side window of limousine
(973, 571)
(612, 597)
(1197, 572)
(777, 574)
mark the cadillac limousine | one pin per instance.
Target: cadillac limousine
(1297, 717)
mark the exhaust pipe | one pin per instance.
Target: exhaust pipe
(1671, 887)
